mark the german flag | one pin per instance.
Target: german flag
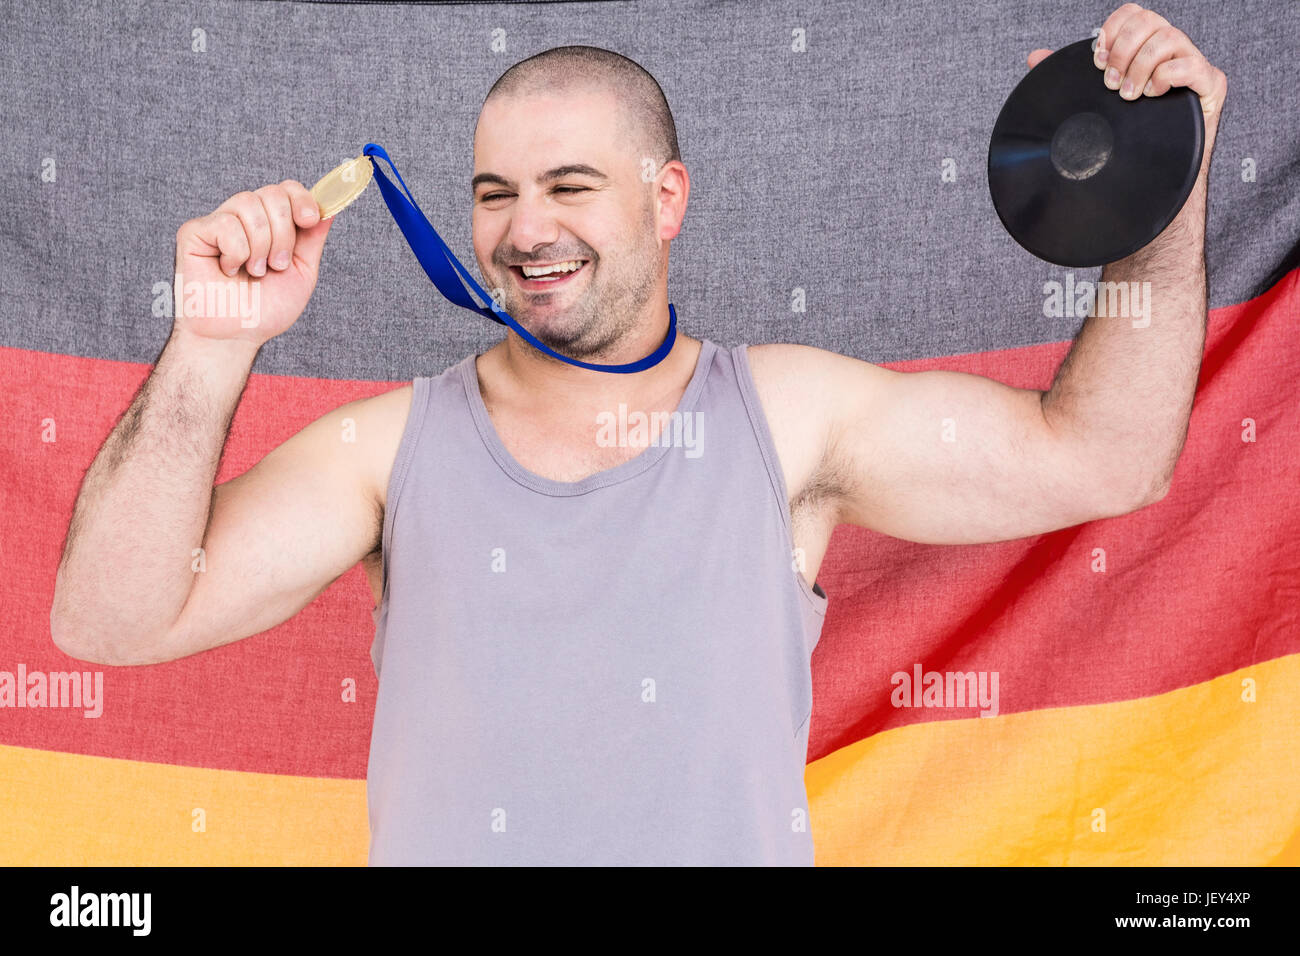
(1122, 692)
(1144, 708)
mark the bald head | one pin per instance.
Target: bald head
(643, 109)
(563, 155)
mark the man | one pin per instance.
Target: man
(594, 648)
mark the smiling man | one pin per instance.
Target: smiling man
(594, 650)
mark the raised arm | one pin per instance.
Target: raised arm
(946, 457)
(133, 586)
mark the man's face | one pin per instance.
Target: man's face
(601, 216)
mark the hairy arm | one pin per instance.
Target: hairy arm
(129, 588)
(144, 502)
(1130, 377)
(951, 458)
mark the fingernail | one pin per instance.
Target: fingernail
(257, 268)
(1126, 90)
(280, 259)
(1112, 78)
(1099, 49)
(1150, 87)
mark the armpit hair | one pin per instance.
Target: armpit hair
(831, 479)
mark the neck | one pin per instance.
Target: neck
(516, 373)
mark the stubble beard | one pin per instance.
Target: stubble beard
(601, 318)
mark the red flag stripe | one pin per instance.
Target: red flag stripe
(1201, 584)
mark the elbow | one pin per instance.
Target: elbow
(1147, 493)
(70, 635)
(61, 633)
(85, 634)
(64, 642)
(103, 654)
(82, 643)
(1157, 493)
(72, 641)
(1155, 487)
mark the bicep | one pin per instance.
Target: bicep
(283, 531)
(942, 457)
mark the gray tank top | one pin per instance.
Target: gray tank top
(603, 672)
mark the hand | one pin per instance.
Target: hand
(247, 269)
(1142, 55)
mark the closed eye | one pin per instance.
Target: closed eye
(559, 189)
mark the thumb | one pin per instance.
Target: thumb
(311, 242)
(1038, 56)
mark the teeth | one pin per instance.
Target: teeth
(571, 266)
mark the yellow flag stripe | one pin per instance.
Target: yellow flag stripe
(60, 809)
(1197, 776)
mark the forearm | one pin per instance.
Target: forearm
(1126, 386)
(144, 503)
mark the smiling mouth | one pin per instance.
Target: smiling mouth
(556, 278)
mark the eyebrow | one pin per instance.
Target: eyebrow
(559, 172)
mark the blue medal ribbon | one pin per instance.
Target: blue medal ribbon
(439, 263)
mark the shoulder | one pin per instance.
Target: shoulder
(787, 364)
(824, 388)
(781, 366)
(814, 385)
(360, 439)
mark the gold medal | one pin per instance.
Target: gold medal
(342, 184)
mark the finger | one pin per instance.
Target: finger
(1037, 57)
(252, 215)
(220, 234)
(280, 215)
(1099, 50)
(310, 243)
(1166, 43)
(1111, 27)
(1194, 72)
(306, 211)
(1128, 39)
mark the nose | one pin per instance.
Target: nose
(532, 225)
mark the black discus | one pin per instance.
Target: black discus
(1080, 176)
